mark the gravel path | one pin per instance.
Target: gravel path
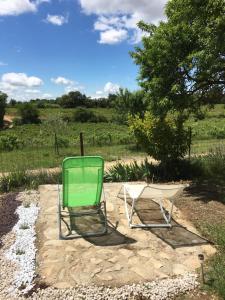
(156, 290)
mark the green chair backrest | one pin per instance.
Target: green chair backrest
(82, 180)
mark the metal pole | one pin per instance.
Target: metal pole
(81, 144)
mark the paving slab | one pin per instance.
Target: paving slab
(123, 255)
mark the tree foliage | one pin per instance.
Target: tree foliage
(72, 99)
(3, 98)
(133, 103)
(29, 113)
(164, 139)
(182, 61)
(182, 67)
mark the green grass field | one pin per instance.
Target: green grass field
(36, 143)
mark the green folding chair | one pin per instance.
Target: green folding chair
(81, 195)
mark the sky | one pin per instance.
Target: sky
(51, 47)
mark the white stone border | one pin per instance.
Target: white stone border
(23, 251)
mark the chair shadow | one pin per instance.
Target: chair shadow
(176, 236)
(8, 217)
(96, 223)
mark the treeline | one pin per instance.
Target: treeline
(70, 100)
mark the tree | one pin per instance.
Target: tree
(72, 99)
(29, 113)
(182, 61)
(133, 103)
(3, 98)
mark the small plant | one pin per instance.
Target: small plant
(10, 143)
(62, 142)
(24, 226)
(26, 204)
(21, 180)
(20, 252)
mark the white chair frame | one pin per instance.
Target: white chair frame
(130, 212)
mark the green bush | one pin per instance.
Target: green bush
(164, 139)
(17, 121)
(181, 170)
(9, 143)
(29, 113)
(84, 115)
(62, 142)
(21, 180)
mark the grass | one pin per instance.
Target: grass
(215, 267)
(112, 141)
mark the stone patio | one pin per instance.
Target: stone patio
(123, 255)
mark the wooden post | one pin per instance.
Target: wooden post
(81, 144)
(56, 145)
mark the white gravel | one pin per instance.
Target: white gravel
(23, 251)
(155, 290)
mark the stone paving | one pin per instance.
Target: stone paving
(122, 256)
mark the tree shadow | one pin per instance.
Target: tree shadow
(96, 223)
(8, 216)
(111, 238)
(206, 192)
(176, 236)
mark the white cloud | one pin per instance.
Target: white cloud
(19, 86)
(56, 19)
(113, 36)
(70, 85)
(47, 96)
(62, 81)
(124, 15)
(21, 79)
(111, 88)
(17, 7)
(99, 92)
(30, 91)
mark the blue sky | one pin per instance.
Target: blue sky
(50, 47)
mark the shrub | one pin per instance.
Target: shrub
(165, 139)
(20, 180)
(182, 170)
(9, 143)
(84, 115)
(17, 121)
(29, 114)
(62, 142)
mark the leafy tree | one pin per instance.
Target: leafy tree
(84, 115)
(182, 61)
(182, 67)
(72, 99)
(133, 103)
(29, 113)
(3, 98)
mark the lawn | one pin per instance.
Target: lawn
(36, 143)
